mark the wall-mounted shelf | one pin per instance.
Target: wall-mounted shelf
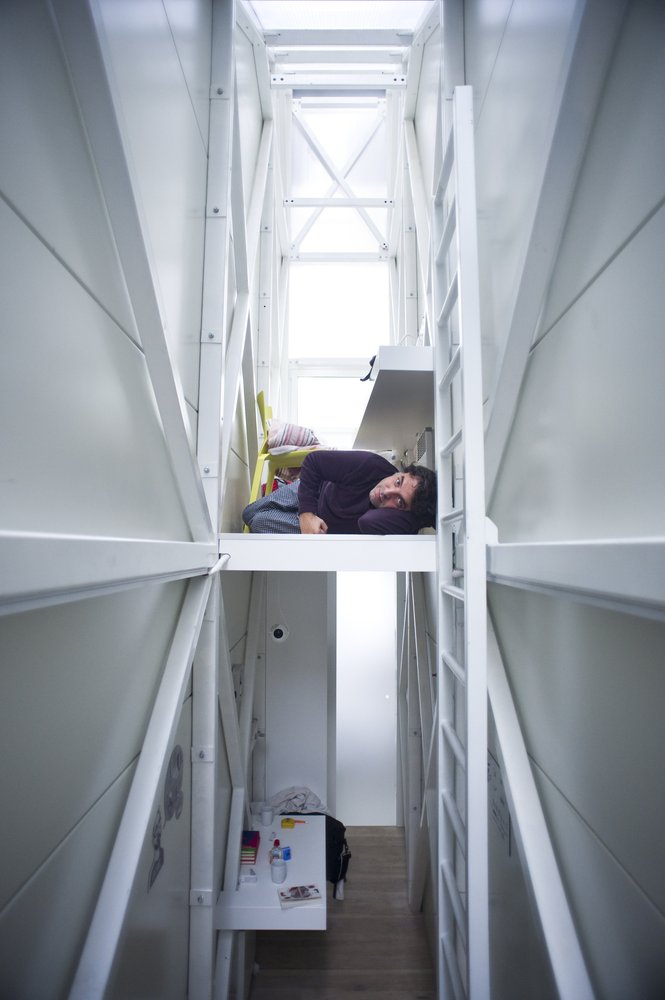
(256, 906)
(401, 404)
(329, 553)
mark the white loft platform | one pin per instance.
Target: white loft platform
(329, 553)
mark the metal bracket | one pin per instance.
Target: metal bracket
(209, 470)
(201, 897)
(211, 336)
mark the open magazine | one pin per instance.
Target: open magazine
(298, 895)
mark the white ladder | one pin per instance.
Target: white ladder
(463, 960)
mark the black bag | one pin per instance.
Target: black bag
(338, 854)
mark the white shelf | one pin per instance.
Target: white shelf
(401, 404)
(329, 553)
(255, 906)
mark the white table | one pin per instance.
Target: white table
(256, 906)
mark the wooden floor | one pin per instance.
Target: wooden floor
(374, 946)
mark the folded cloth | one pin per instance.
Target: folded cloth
(296, 800)
(276, 513)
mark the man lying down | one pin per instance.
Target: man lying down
(348, 493)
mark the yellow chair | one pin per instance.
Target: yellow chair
(285, 460)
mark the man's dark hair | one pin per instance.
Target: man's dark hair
(423, 506)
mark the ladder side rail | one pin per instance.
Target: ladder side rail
(477, 874)
(102, 941)
(448, 973)
(532, 837)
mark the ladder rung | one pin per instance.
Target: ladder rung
(455, 592)
(456, 820)
(454, 743)
(455, 899)
(456, 514)
(454, 666)
(452, 443)
(448, 303)
(451, 371)
(447, 234)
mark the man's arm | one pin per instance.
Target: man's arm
(312, 524)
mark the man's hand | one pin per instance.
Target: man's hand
(311, 524)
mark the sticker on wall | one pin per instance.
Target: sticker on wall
(173, 804)
(498, 804)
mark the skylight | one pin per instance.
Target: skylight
(401, 15)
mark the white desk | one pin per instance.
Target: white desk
(401, 404)
(255, 906)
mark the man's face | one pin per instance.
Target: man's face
(396, 491)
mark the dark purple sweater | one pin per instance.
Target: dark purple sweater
(335, 485)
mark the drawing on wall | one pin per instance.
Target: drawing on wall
(173, 803)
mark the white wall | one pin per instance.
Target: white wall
(297, 667)
(366, 699)
(584, 460)
(82, 451)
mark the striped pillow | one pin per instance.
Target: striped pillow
(285, 437)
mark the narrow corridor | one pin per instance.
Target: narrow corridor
(374, 946)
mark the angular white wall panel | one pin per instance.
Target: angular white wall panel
(589, 689)
(78, 684)
(512, 137)
(191, 24)
(167, 153)
(46, 172)
(485, 22)
(153, 952)
(425, 116)
(251, 117)
(585, 457)
(623, 176)
(86, 453)
(623, 932)
(43, 929)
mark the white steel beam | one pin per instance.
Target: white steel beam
(625, 574)
(107, 922)
(593, 35)
(83, 40)
(339, 202)
(216, 257)
(420, 203)
(348, 56)
(205, 834)
(423, 32)
(41, 569)
(532, 836)
(291, 38)
(333, 257)
(341, 80)
(328, 553)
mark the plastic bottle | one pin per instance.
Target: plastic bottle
(275, 851)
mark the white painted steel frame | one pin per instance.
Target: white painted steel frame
(463, 960)
(626, 575)
(41, 569)
(337, 177)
